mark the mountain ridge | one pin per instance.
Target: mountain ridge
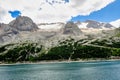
(23, 40)
(23, 28)
(88, 24)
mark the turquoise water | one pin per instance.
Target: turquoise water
(105, 70)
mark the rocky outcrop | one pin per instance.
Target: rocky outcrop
(4, 28)
(107, 25)
(71, 29)
(23, 23)
(10, 31)
(94, 24)
(7, 32)
(23, 29)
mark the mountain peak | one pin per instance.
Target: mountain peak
(91, 21)
(71, 28)
(94, 24)
(23, 23)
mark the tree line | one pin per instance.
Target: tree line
(68, 49)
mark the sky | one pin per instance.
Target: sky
(47, 11)
(107, 14)
(15, 13)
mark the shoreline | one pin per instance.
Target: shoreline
(57, 61)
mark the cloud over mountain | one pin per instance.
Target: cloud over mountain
(50, 10)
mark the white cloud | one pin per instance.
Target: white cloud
(42, 11)
(4, 16)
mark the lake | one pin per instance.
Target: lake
(101, 70)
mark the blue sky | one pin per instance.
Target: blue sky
(15, 13)
(107, 14)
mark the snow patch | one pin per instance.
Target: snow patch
(50, 26)
(116, 23)
(83, 25)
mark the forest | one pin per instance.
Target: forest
(67, 49)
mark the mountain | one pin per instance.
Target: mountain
(71, 28)
(94, 25)
(12, 31)
(23, 23)
(88, 24)
(7, 32)
(23, 29)
(26, 41)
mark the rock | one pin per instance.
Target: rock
(107, 25)
(6, 32)
(72, 29)
(93, 24)
(23, 23)
(4, 28)
(78, 23)
(98, 25)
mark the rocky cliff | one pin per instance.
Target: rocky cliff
(94, 24)
(23, 23)
(10, 32)
(71, 29)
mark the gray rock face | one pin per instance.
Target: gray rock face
(72, 29)
(23, 23)
(6, 32)
(107, 25)
(11, 32)
(4, 28)
(93, 24)
(78, 23)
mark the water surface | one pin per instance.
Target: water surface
(102, 70)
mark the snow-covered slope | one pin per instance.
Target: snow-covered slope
(90, 24)
(83, 25)
(51, 26)
(116, 23)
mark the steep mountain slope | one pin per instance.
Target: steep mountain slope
(7, 33)
(88, 24)
(116, 23)
(11, 32)
(72, 29)
(94, 25)
(23, 23)
(23, 29)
